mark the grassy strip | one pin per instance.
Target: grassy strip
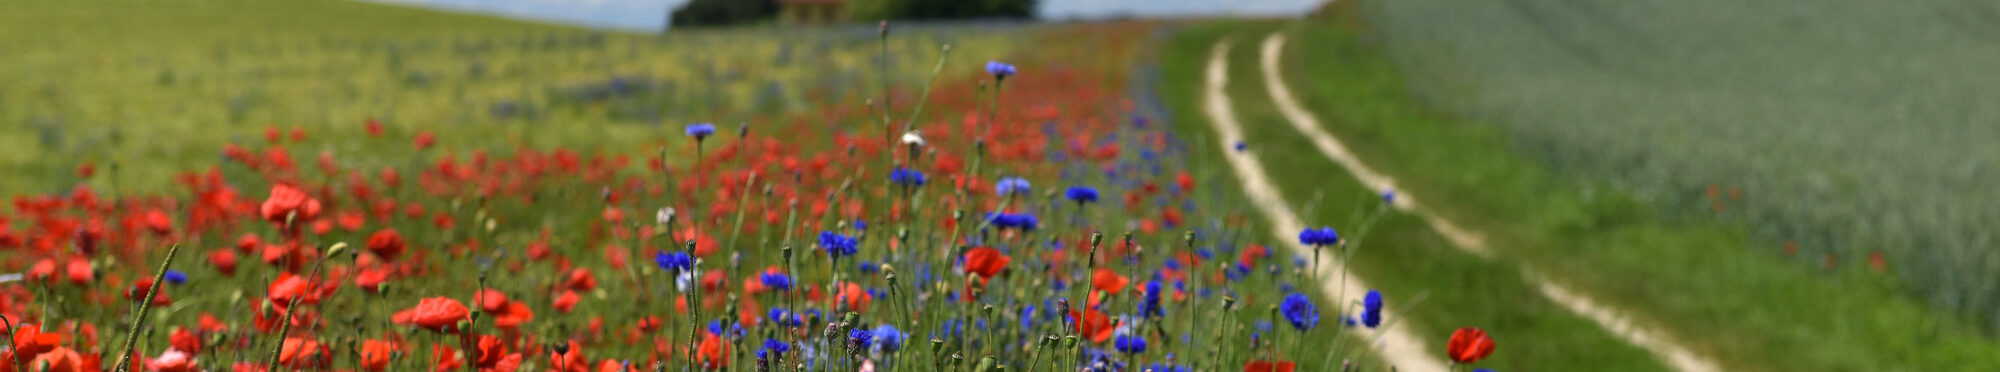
(1704, 280)
(1402, 254)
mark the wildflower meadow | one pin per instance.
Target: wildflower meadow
(960, 209)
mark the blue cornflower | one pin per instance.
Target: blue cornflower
(176, 277)
(860, 338)
(674, 261)
(1389, 196)
(1081, 194)
(1240, 146)
(715, 327)
(776, 281)
(837, 245)
(777, 345)
(1016, 221)
(1300, 311)
(907, 177)
(783, 317)
(860, 225)
(1130, 345)
(700, 131)
(888, 338)
(869, 267)
(1371, 309)
(999, 70)
(1011, 186)
(1323, 236)
(1150, 305)
(1167, 368)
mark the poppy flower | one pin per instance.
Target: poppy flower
(158, 222)
(79, 271)
(424, 140)
(1108, 281)
(303, 353)
(567, 301)
(488, 352)
(436, 314)
(1469, 345)
(288, 287)
(42, 270)
(60, 359)
(1093, 324)
(1269, 366)
(33, 342)
(854, 297)
(138, 293)
(184, 341)
(581, 280)
(374, 127)
(224, 261)
(172, 361)
(386, 243)
(712, 352)
(287, 201)
(375, 355)
(985, 261)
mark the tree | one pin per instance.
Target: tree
(941, 9)
(723, 12)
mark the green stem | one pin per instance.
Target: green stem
(139, 318)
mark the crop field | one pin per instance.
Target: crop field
(90, 86)
(252, 186)
(1854, 136)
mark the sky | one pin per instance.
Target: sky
(652, 14)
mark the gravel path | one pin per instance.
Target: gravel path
(1469, 241)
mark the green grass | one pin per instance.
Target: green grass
(101, 81)
(1851, 127)
(1401, 254)
(1702, 280)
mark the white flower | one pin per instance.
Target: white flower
(912, 138)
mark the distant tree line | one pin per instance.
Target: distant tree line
(726, 12)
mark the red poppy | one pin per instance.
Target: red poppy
(489, 351)
(1469, 345)
(287, 201)
(60, 359)
(303, 353)
(1269, 366)
(172, 361)
(289, 287)
(224, 261)
(436, 313)
(712, 352)
(375, 355)
(985, 261)
(855, 298)
(425, 140)
(158, 222)
(374, 127)
(581, 280)
(79, 271)
(567, 301)
(1093, 324)
(138, 293)
(184, 341)
(33, 342)
(386, 243)
(445, 358)
(371, 279)
(1108, 281)
(42, 270)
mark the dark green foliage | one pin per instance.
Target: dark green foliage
(723, 12)
(941, 9)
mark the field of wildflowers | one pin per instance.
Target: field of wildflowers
(1006, 216)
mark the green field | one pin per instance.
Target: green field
(1850, 127)
(153, 88)
(1711, 283)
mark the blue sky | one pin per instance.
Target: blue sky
(651, 14)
